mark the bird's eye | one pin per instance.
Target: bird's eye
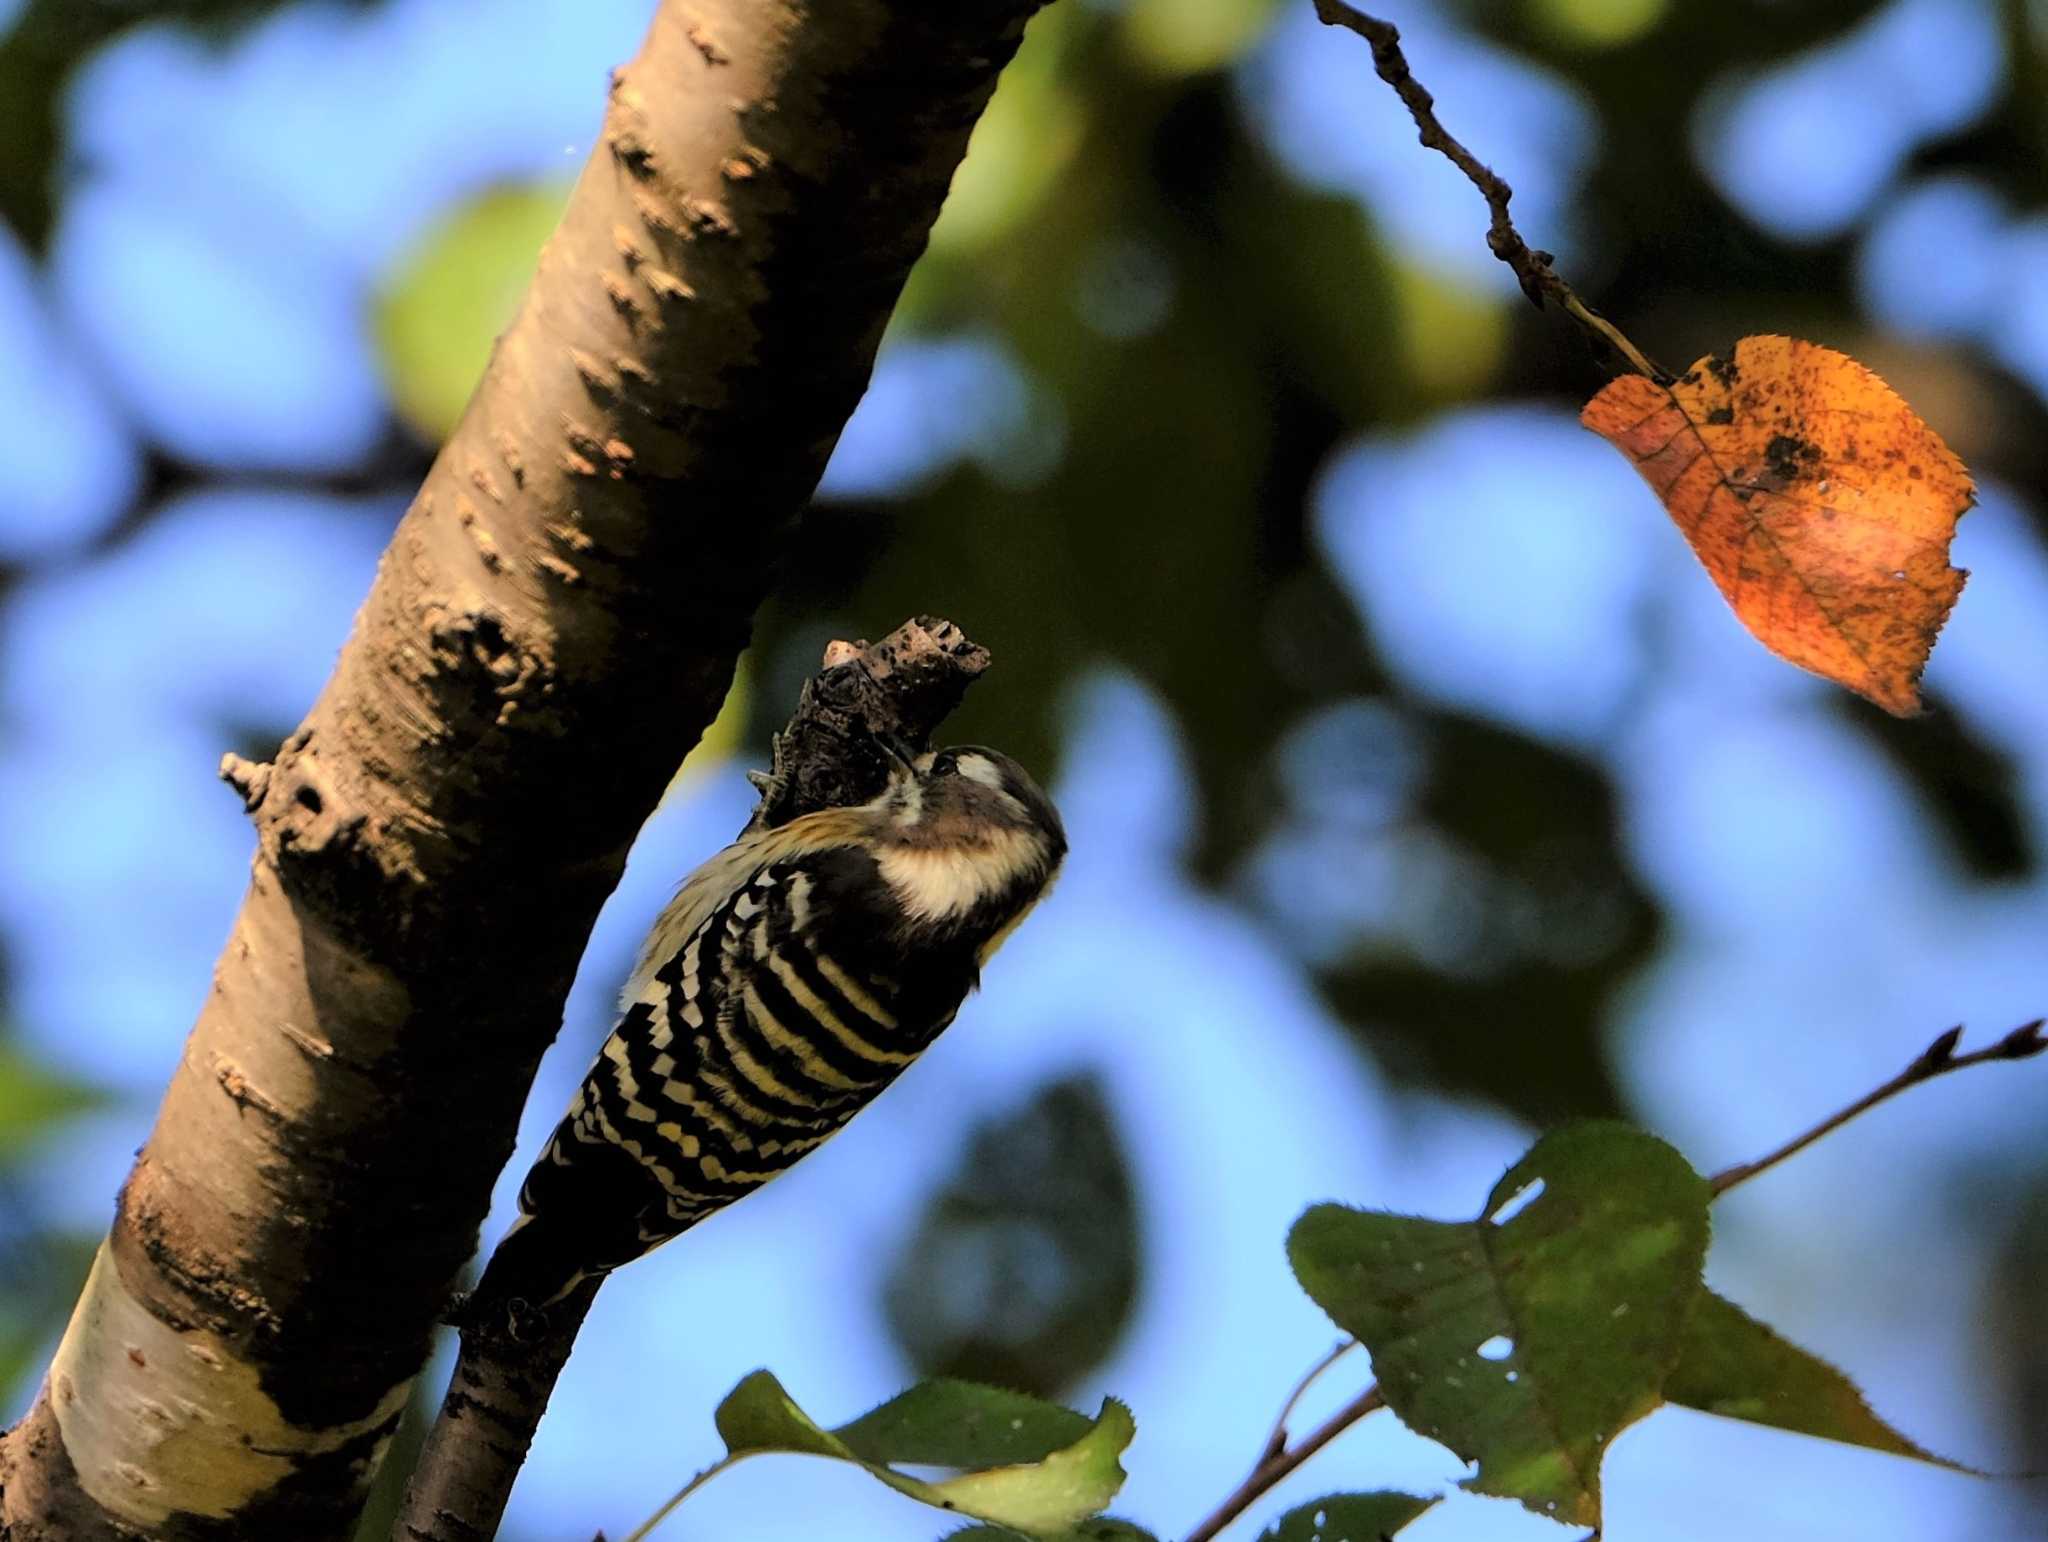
(945, 763)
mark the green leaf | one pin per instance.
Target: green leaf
(757, 1415)
(1044, 1495)
(1052, 1495)
(958, 1424)
(1348, 1518)
(454, 293)
(1526, 1344)
(1732, 1365)
(34, 1098)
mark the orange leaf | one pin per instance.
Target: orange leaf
(1820, 503)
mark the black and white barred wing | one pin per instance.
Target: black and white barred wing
(778, 1018)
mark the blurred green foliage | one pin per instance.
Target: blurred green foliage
(41, 1268)
(1171, 535)
(40, 1277)
(1025, 1266)
(442, 310)
(34, 1100)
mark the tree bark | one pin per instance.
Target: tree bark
(554, 623)
(479, 1439)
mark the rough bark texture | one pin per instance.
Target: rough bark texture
(901, 688)
(553, 625)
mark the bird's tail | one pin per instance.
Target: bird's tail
(531, 1266)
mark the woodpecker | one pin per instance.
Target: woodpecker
(793, 977)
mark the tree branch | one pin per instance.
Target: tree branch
(1532, 267)
(1280, 1459)
(1938, 1059)
(900, 689)
(1276, 1442)
(554, 623)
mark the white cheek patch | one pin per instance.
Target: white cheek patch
(931, 885)
(935, 885)
(979, 768)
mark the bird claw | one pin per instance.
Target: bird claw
(457, 1314)
(515, 1320)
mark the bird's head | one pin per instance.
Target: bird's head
(967, 839)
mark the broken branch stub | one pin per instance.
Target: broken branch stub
(831, 753)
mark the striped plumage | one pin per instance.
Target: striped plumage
(792, 978)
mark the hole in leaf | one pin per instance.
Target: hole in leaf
(1499, 1347)
(1517, 1202)
(1514, 1375)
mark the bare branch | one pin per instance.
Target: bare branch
(1277, 1441)
(1277, 1464)
(1938, 1059)
(903, 687)
(1532, 268)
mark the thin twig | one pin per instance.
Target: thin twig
(640, 1531)
(1278, 1464)
(1277, 1441)
(1938, 1059)
(1532, 267)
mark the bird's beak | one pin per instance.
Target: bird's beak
(898, 753)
